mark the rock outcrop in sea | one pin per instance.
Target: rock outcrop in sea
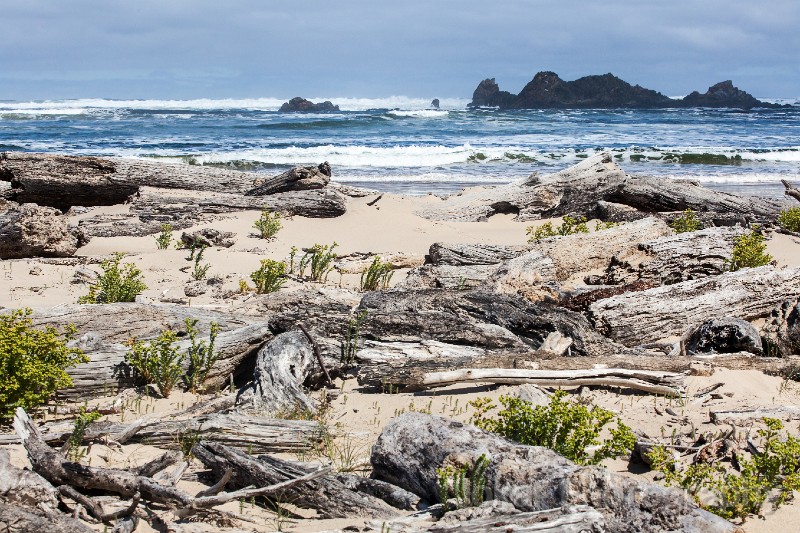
(301, 105)
(548, 91)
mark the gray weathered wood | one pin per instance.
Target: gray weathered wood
(294, 179)
(327, 495)
(24, 487)
(646, 316)
(748, 416)
(17, 519)
(30, 230)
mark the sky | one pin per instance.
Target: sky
(181, 49)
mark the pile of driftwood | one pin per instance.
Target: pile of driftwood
(633, 306)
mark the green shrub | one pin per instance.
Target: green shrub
(776, 468)
(164, 238)
(569, 226)
(749, 251)
(566, 427)
(351, 336)
(76, 452)
(200, 270)
(115, 284)
(320, 259)
(377, 274)
(465, 484)
(686, 222)
(268, 224)
(32, 361)
(158, 361)
(202, 355)
(600, 226)
(790, 219)
(270, 276)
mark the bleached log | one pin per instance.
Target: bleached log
(294, 179)
(654, 314)
(643, 380)
(23, 487)
(17, 519)
(573, 519)
(326, 494)
(744, 416)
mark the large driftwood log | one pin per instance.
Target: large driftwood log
(16, 519)
(571, 519)
(475, 318)
(29, 230)
(51, 465)
(23, 487)
(460, 254)
(295, 179)
(748, 416)
(412, 446)
(580, 188)
(329, 496)
(234, 429)
(646, 316)
(682, 257)
(167, 205)
(648, 381)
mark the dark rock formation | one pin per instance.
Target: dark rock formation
(724, 335)
(548, 91)
(301, 105)
(435, 103)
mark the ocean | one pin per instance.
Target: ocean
(400, 144)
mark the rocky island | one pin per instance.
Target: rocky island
(548, 91)
(301, 105)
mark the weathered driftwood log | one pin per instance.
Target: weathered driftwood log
(29, 230)
(127, 225)
(580, 188)
(412, 446)
(51, 465)
(233, 429)
(791, 190)
(167, 205)
(782, 329)
(748, 416)
(648, 381)
(23, 487)
(571, 519)
(62, 181)
(676, 258)
(448, 277)
(16, 519)
(641, 317)
(481, 319)
(391, 494)
(282, 367)
(329, 496)
(459, 254)
(295, 179)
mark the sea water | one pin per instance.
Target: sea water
(400, 144)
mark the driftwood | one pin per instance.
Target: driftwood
(791, 190)
(458, 254)
(748, 416)
(167, 205)
(782, 329)
(57, 470)
(16, 519)
(234, 429)
(643, 380)
(641, 317)
(282, 367)
(572, 519)
(580, 189)
(412, 446)
(295, 179)
(32, 231)
(23, 487)
(327, 495)
(682, 257)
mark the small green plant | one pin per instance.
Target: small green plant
(376, 275)
(75, 450)
(33, 361)
(775, 469)
(115, 284)
(320, 259)
(200, 270)
(292, 255)
(268, 224)
(566, 427)
(569, 226)
(164, 239)
(749, 251)
(270, 276)
(158, 361)
(186, 439)
(686, 222)
(244, 288)
(790, 219)
(351, 337)
(600, 226)
(196, 252)
(202, 355)
(466, 484)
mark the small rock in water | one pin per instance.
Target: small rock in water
(435, 103)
